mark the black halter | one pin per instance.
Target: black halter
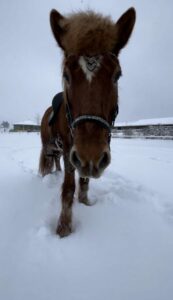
(73, 123)
(91, 63)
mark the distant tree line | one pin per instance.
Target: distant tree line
(5, 125)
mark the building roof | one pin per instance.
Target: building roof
(28, 122)
(158, 121)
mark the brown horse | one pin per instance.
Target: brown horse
(91, 44)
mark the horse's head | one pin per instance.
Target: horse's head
(91, 69)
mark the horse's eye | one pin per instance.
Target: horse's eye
(66, 77)
(116, 76)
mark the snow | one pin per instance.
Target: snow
(157, 121)
(121, 247)
(27, 122)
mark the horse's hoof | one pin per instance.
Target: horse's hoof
(87, 202)
(63, 229)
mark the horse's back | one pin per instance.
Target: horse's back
(56, 105)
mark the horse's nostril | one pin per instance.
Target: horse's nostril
(75, 160)
(104, 160)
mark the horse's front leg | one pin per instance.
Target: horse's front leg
(64, 227)
(57, 161)
(83, 191)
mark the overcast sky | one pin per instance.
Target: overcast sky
(30, 61)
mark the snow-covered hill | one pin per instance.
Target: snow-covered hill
(121, 247)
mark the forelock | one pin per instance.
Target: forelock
(89, 33)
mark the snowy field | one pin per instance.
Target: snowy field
(121, 247)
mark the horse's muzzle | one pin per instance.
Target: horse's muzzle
(90, 167)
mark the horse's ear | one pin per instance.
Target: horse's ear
(124, 28)
(57, 26)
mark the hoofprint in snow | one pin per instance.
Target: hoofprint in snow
(121, 247)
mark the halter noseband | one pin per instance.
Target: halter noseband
(73, 123)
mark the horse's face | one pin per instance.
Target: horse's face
(91, 44)
(91, 88)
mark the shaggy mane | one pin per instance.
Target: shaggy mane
(88, 33)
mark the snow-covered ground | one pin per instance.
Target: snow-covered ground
(121, 247)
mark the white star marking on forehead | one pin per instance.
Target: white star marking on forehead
(89, 65)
